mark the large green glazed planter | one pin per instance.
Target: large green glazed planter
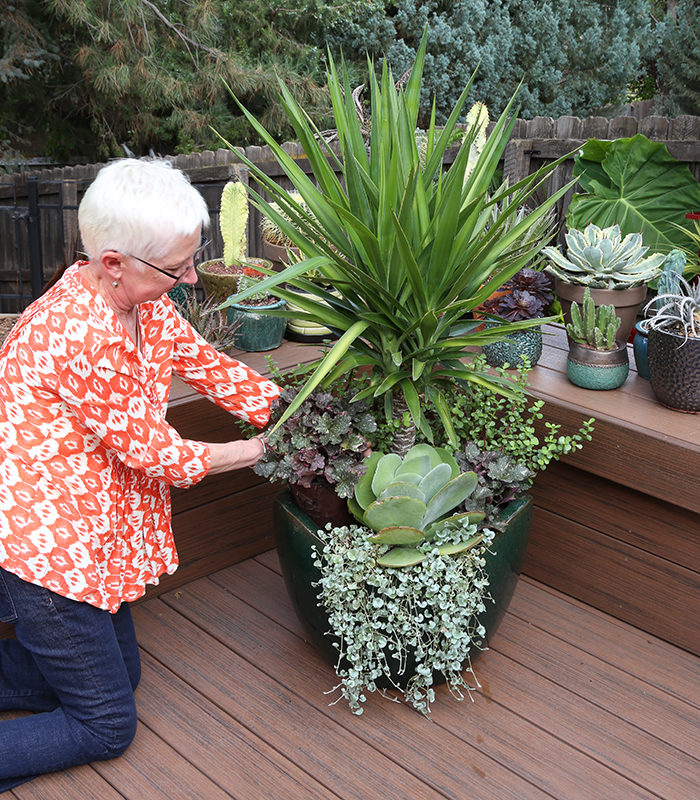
(257, 330)
(295, 533)
(674, 370)
(513, 347)
(597, 369)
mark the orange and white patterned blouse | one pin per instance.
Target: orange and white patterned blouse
(86, 455)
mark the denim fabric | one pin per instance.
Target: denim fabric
(76, 667)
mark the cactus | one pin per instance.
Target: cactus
(602, 259)
(669, 282)
(595, 327)
(233, 221)
(409, 501)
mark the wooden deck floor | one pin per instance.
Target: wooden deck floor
(573, 705)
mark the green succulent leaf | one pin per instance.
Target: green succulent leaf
(403, 489)
(363, 489)
(384, 472)
(389, 511)
(438, 477)
(460, 547)
(399, 557)
(450, 496)
(398, 534)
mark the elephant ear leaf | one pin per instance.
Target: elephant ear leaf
(637, 184)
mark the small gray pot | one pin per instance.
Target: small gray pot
(597, 369)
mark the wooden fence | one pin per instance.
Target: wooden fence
(47, 235)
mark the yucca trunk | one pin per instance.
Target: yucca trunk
(405, 436)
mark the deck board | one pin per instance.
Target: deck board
(232, 704)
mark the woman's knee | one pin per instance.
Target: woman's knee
(109, 736)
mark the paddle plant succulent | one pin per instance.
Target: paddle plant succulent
(411, 501)
(602, 259)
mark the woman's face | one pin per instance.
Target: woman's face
(148, 280)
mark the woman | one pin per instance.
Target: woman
(86, 459)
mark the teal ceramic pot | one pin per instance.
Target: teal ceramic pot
(516, 345)
(295, 533)
(640, 347)
(674, 370)
(597, 369)
(257, 331)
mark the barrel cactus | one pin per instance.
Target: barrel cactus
(591, 326)
(602, 259)
(415, 499)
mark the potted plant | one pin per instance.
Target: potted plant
(260, 317)
(613, 268)
(403, 241)
(206, 319)
(674, 347)
(442, 528)
(276, 245)
(527, 295)
(220, 276)
(320, 450)
(597, 359)
(668, 283)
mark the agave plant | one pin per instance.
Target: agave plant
(412, 500)
(602, 259)
(409, 247)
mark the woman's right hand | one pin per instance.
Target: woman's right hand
(227, 456)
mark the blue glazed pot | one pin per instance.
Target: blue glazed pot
(257, 331)
(513, 347)
(597, 369)
(640, 347)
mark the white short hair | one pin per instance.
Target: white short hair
(139, 207)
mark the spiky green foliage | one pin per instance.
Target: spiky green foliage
(669, 280)
(409, 248)
(595, 327)
(207, 321)
(601, 259)
(412, 500)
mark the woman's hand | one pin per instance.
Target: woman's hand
(227, 456)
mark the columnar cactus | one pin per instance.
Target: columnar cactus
(669, 280)
(409, 501)
(595, 327)
(233, 221)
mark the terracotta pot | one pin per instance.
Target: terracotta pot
(276, 254)
(627, 302)
(295, 533)
(220, 285)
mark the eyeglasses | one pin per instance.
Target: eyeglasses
(196, 259)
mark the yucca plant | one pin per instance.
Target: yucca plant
(409, 247)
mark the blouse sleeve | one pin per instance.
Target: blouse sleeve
(107, 397)
(229, 383)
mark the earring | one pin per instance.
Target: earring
(115, 284)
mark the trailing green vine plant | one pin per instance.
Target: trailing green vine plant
(418, 621)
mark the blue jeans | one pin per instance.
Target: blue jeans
(76, 666)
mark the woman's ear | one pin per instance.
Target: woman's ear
(112, 262)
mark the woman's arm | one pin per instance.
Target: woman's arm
(228, 456)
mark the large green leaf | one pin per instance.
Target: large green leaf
(636, 184)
